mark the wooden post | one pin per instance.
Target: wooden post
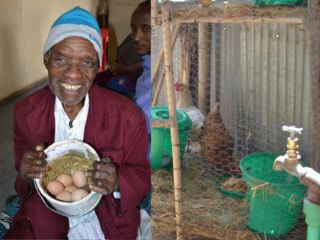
(314, 49)
(158, 88)
(182, 57)
(157, 67)
(186, 70)
(203, 64)
(154, 13)
(185, 48)
(221, 19)
(157, 85)
(172, 115)
(166, 123)
(160, 57)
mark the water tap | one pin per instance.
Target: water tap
(291, 159)
(290, 162)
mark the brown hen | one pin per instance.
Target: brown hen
(217, 144)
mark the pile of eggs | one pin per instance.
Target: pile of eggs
(68, 188)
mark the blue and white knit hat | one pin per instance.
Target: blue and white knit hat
(77, 22)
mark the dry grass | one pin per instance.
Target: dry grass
(207, 212)
(204, 216)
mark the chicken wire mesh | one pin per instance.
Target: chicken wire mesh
(239, 82)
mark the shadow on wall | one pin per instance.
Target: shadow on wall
(9, 59)
(24, 91)
(113, 43)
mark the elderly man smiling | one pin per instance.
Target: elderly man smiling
(72, 107)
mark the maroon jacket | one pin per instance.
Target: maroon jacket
(115, 128)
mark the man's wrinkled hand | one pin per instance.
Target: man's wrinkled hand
(104, 176)
(33, 164)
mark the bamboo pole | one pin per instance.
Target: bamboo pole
(154, 13)
(157, 85)
(186, 72)
(186, 68)
(166, 123)
(172, 115)
(156, 68)
(160, 58)
(203, 61)
(158, 89)
(182, 57)
(289, 20)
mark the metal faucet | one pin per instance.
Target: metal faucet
(291, 159)
(309, 177)
(290, 162)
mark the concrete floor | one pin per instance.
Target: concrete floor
(7, 171)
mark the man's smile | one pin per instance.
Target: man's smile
(71, 87)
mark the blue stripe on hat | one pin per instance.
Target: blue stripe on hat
(78, 16)
(92, 38)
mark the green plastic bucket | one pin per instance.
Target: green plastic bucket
(274, 197)
(161, 148)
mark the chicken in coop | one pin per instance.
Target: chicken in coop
(185, 103)
(217, 145)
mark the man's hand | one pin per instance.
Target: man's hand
(33, 164)
(104, 176)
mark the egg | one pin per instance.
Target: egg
(64, 196)
(79, 179)
(65, 179)
(78, 194)
(55, 187)
(70, 188)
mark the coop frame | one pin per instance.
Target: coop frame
(165, 56)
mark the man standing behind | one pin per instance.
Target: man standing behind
(141, 35)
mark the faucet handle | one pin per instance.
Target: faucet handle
(292, 130)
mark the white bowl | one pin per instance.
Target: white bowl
(69, 209)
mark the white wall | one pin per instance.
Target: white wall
(24, 25)
(120, 16)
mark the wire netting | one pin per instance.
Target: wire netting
(241, 72)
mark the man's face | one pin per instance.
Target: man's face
(141, 30)
(72, 66)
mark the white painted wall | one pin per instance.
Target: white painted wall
(24, 25)
(120, 16)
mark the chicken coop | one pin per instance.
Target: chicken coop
(226, 76)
